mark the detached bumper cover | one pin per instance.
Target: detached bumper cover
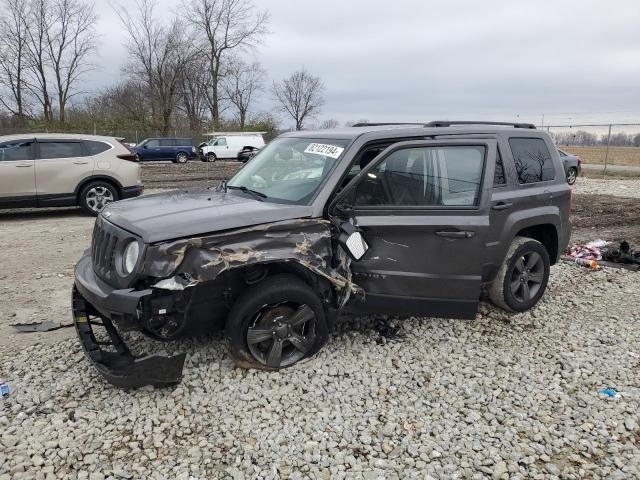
(93, 305)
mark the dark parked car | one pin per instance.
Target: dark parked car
(178, 150)
(400, 219)
(572, 166)
(247, 153)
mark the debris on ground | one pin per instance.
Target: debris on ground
(387, 332)
(45, 326)
(609, 393)
(587, 251)
(4, 389)
(622, 254)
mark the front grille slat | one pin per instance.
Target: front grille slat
(106, 238)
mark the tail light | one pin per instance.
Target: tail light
(128, 156)
(579, 159)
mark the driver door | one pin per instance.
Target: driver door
(423, 208)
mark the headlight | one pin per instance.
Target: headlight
(130, 257)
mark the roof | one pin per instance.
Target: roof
(408, 129)
(70, 136)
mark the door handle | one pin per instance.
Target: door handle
(23, 166)
(455, 233)
(502, 205)
(80, 163)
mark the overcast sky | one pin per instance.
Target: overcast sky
(415, 60)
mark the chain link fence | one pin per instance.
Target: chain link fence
(610, 148)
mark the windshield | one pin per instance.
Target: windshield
(290, 170)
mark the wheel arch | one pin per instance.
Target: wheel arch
(546, 234)
(93, 178)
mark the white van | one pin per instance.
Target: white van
(229, 145)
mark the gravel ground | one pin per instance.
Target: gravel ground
(618, 187)
(499, 397)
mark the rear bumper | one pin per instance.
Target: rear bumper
(130, 192)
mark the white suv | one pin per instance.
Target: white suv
(60, 169)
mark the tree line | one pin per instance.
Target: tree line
(584, 138)
(188, 71)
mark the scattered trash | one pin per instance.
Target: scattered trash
(45, 326)
(622, 254)
(609, 393)
(4, 389)
(592, 264)
(589, 251)
(387, 332)
(600, 253)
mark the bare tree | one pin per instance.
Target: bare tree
(159, 55)
(329, 123)
(300, 96)
(240, 85)
(193, 92)
(37, 23)
(225, 26)
(70, 40)
(13, 68)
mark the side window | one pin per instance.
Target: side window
(561, 153)
(96, 148)
(60, 150)
(153, 143)
(221, 142)
(16, 150)
(498, 174)
(532, 160)
(425, 176)
(166, 142)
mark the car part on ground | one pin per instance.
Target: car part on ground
(270, 256)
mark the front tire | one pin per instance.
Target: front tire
(211, 157)
(572, 175)
(523, 276)
(276, 323)
(95, 195)
(182, 158)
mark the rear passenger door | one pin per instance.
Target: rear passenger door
(167, 149)
(423, 208)
(61, 165)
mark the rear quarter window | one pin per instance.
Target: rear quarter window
(95, 147)
(532, 160)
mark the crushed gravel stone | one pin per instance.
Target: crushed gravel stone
(502, 396)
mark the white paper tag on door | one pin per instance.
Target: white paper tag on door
(324, 149)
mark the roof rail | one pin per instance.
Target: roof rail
(383, 124)
(229, 134)
(445, 123)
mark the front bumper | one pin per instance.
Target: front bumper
(95, 304)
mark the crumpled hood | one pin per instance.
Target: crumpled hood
(184, 213)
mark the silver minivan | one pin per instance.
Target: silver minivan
(61, 169)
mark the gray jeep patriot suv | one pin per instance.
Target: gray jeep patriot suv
(394, 218)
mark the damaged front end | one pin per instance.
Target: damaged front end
(195, 280)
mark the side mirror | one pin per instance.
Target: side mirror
(144, 146)
(353, 241)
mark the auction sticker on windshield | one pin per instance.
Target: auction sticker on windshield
(324, 149)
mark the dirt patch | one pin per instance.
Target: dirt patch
(195, 173)
(606, 216)
(617, 155)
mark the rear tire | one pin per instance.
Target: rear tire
(95, 195)
(276, 323)
(572, 175)
(523, 276)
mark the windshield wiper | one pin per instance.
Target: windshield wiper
(244, 189)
